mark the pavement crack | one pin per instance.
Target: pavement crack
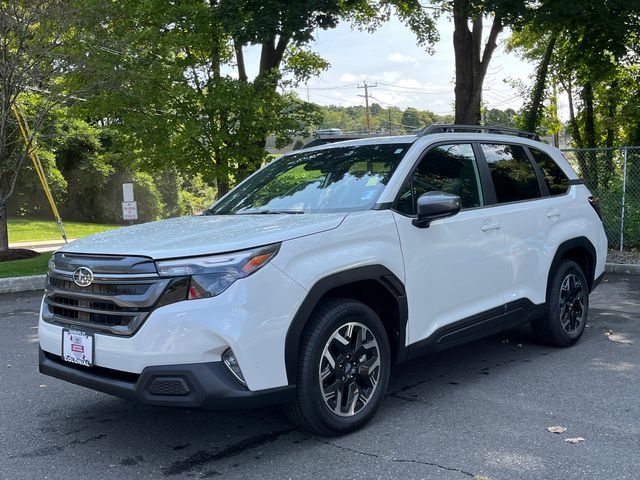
(53, 449)
(406, 387)
(397, 460)
(203, 457)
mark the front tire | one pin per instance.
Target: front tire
(343, 368)
(567, 307)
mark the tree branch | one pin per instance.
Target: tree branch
(242, 71)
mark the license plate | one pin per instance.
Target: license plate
(77, 347)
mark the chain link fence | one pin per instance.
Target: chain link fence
(613, 175)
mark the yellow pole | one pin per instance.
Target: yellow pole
(28, 140)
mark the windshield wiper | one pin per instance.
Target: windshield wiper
(271, 212)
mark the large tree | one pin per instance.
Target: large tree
(175, 76)
(32, 35)
(473, 53)
(589, 48)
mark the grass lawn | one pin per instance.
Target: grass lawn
(36, 230)
(24, 268)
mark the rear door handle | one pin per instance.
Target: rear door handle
(490, 226)
(553, 213)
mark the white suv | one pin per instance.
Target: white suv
(310, 279)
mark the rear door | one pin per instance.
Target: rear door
(454, 269)
(525, 211)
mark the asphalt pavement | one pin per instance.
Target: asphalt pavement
(481, 411)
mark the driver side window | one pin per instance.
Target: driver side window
(445, 168)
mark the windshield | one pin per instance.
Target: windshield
(330, 180)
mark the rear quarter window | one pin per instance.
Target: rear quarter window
(514, 177)
(556, 180)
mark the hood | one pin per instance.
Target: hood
(203, 235)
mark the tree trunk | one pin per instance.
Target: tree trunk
(590, 135)
(573, 123)
(532, 115)
(4, 230)
(471, 63)
(462, 43)
(589, 116)
(608, 169)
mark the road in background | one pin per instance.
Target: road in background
(478, 410)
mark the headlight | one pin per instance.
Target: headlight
(212, 275)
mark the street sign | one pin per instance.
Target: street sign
(127, 192)
(130, 210)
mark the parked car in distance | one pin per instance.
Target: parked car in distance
(328, 131)
(311, 278)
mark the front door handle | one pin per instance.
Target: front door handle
(553, 213)
(490, 226)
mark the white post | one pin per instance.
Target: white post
(624, 191)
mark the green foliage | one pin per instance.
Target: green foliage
(383, 120)
(21, 230)
(169, 95)
(195, 196)
(500, 118)
(595, 56)
(24, 268)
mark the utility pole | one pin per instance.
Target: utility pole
(366, 102)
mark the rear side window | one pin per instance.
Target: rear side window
(557, 182)
(445, 168)
(513, 175)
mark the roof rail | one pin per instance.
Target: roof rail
(452, 128)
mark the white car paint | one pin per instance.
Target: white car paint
(203, 234)
(454, 269)
(451, 270)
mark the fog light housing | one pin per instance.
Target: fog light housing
(231, 362)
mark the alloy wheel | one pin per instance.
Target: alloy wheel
(571, 303)
(349, 369)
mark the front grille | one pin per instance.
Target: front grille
(69, 308)
(100, 288)
(114, 303)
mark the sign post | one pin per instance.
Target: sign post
(129, 205)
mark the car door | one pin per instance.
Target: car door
(454, 269)
(525, 212)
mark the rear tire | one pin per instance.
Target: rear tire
(567, 307)
(343, 368)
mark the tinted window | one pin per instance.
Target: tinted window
(513, 175)
(446, 168)
(557, 182)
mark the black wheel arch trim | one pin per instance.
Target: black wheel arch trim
(378, 273)
(563, 248)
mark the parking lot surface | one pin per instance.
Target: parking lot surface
(481, 410)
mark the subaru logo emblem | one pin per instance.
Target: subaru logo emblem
(82, 276)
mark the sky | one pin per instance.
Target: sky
(407, 76)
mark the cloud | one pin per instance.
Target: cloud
(398, 57)
(348, 77)
(409, 83)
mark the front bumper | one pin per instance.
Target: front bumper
(251, 317)
(197, 385)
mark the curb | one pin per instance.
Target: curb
(626, 268)
(22, 284)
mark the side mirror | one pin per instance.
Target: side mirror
(435, 205)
